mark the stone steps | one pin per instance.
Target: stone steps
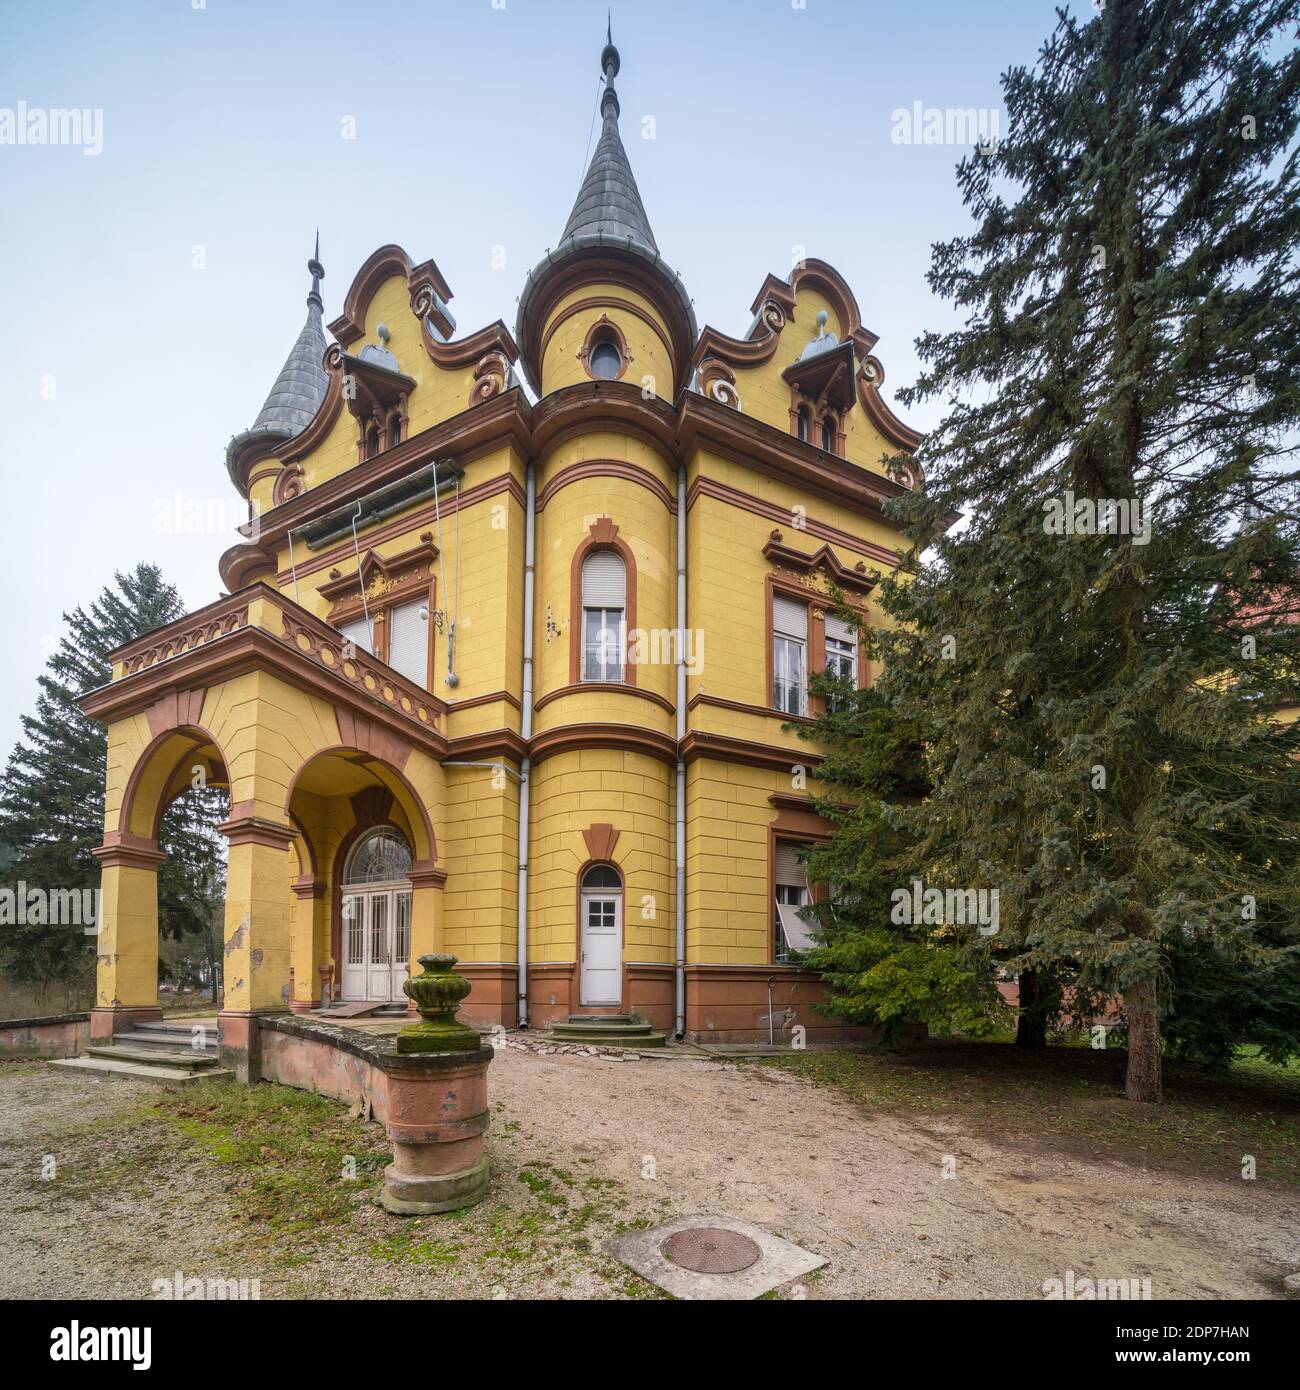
(607, 1030)
(175, 1042)
(186, 1060)
(157, 1069)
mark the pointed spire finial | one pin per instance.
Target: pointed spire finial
(317, 273)
(609, 65)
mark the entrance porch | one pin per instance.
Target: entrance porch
(332, 761)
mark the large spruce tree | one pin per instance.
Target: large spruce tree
(1094, 700)
(52, 792)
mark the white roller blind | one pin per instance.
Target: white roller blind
(408, 643)
(789, 617)
(837, 629)
(604, 580)
(789, 871)
(357, 632)
(798, 933)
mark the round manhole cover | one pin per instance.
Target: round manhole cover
(710, 1250)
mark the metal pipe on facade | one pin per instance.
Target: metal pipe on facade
(680, 807)
(526, 732)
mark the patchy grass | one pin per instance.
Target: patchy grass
(1072, 1099)
(297, 1161)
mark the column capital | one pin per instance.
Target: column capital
(424, 873)
(252, 830)
(122, 849)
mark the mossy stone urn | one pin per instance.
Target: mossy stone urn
(437, 993)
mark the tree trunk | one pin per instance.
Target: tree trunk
(1143, 1082)
(1031, 1026)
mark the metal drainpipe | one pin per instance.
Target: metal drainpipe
(680, 807)
(526, 731)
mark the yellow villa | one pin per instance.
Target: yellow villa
(509, 644)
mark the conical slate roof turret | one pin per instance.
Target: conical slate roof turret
(301, 385)
(608, 223)
(609, 200)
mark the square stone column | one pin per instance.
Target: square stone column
(257, 947)
(309, 942)
(126, 947)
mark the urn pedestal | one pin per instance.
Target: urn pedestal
(437, 1110)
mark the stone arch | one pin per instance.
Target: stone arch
(165, 769)
(372, 769)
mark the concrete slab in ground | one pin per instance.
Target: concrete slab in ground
(778, 1260)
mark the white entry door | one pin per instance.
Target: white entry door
(602, 946)
(376, 944)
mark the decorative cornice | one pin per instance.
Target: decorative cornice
(777, 454)
(823, 559)
(625, 738)
(698, 744)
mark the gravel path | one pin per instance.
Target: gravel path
(633, 1142)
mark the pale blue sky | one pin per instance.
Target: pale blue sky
(222, 130)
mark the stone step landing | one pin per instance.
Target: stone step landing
(168, 1068)
(607, 1030)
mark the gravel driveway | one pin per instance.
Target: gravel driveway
(663, 1138)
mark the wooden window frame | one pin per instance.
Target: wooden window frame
(818, 604)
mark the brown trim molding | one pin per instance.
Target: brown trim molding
(604, 688)
(623, 738)
(370, 689)
(253, 830)
(824, 559)
(606, 468)
(723, 492)
(699, 744)
(490, 699)
(766, 711)
(343, 552)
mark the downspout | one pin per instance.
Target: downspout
(680, 806)
(526, 732)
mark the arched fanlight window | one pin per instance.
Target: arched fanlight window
(804, 422)
(605, 360)
(604, 604)
(601, 877)
(382, 856)
(828, 435)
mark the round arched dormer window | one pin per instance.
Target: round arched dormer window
(828, 435)
(804, 423)
(605, 360)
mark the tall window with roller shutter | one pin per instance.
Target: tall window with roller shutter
(789, 655)
(604, 608)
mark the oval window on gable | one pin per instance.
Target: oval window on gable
(382, 856)
(605, 360)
